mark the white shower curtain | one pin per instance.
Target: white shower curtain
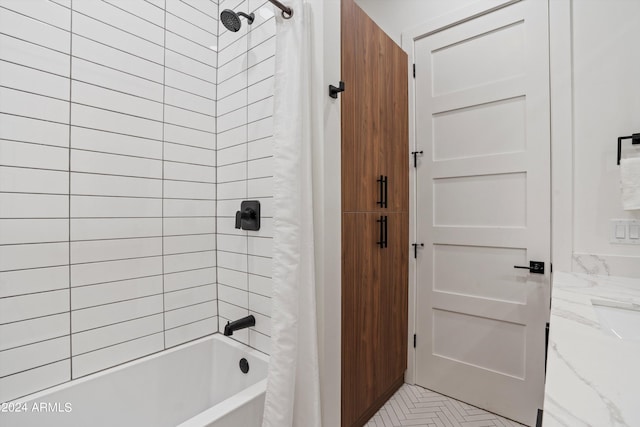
(293, 388)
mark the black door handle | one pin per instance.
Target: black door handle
(382, 242)
(382, 191)
(536, 267)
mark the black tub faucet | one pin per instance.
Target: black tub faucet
(243, 323)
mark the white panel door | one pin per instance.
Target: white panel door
(483, 185)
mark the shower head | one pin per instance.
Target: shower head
(231, 19)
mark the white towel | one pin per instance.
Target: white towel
(630, 183)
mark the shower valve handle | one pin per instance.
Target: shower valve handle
(246, 214)
(248, 217)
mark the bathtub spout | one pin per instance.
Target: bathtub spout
(245, 322)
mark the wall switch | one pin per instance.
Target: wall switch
(625, 231)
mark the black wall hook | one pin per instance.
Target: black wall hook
(334, 91)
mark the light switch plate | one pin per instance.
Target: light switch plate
(625, 232)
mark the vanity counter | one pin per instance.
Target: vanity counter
(593, 377)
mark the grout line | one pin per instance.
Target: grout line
(110, 154)
(249, 273)
(204, 13)
(245, 290)
(252, 84)
(118, 343)
(46, 291)
(139, 298)
(164, 110)
(188, 288)
(34, 318)
(69, 196)
(33, 43)
(131, 13)
(108, 174)
(35, 367)
(262, 139)
(116, 323)
(246, 106)
(35, 342)
(191, 323)
(34, 18)
(245, 253)
(246, 175)
(216, 172)
(108, 239)
(33, 68)
(186, 21)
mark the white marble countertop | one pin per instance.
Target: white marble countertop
(593, 379)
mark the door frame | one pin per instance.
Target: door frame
(561, 136)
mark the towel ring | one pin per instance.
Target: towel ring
(635, 139)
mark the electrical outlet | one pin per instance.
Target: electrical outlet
(625, 232)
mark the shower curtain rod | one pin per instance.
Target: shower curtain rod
(287, 12)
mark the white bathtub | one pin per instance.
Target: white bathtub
(195, 384)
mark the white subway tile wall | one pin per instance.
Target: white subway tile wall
(35, 70)
(246, 65)
(107, 184)
(130, 132)
(189, 192)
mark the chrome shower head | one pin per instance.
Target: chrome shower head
(231, 19)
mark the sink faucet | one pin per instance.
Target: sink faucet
(243, 323)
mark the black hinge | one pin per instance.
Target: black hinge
(414, 71)
(415, 157)
(415, 248)
(551, 265)
(414, 340)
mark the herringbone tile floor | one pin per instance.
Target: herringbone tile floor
(416, 406)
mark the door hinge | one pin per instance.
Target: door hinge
(551, 266)
(414, 71)
(415, 248)
(414, 340)
(415, 157)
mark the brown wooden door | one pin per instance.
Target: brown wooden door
(374, 312)
(375, 116)
(361, 320)
(374, 279)
(393, 296)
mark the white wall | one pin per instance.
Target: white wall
(397, 16)
(606, 104)
(327, 202)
